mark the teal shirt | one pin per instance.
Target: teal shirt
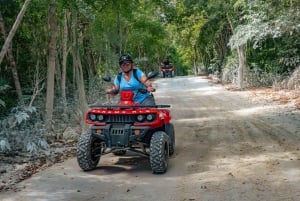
(133, 85)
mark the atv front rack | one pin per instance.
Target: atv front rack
(128, 106)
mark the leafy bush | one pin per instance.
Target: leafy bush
(229, 74)
(22, 130)
(3, 88)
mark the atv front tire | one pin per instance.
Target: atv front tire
(89, 151)
(159, 152)
(169, 128)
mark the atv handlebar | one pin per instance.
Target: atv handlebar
(127, 106)
(143, 91)
(115, 91)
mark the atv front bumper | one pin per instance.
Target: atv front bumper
(120, 136)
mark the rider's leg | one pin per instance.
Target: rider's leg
(148, 101)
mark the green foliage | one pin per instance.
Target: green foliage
(4, 145)
(192, 33)
(22, 130)
(263, 21)
(3, 89)
(134, 27)
(33, 145)
(203, 31)
(2, 103)
(274, 38)
(181, 68)
(230, 71)
(271, 32)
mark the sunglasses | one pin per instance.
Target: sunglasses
(126, 64)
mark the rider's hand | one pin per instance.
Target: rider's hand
(150, 89)
(109, 91)
(112, 91)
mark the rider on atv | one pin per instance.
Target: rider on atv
(131, 78)
(167, 68)
(165, 61)
(135, 124)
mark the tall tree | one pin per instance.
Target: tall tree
(78, 69)
(12, 62)
(65, 52)
(52, 23)
(13, 30)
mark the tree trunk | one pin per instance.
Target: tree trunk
(13, 30)
(64, 62)
(242, 66)
(12, 63)
(196, 68)
(51, 63)
(196, 72)
(241, 56)
(119, 31)
(79, 72)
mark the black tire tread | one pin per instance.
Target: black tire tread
(171, 133)
(84, 153)
(158, 160)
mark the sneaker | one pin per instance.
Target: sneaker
(107, 150)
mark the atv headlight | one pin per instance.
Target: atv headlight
(140, 118)
(150, 117)
(92, 117)
(100, 117)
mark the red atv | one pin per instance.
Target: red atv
(167, 70)
(145, 130)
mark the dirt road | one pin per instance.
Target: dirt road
(228, 148)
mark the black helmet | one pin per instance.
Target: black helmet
(125, 57)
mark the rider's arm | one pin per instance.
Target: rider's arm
(147, 83)
(115, 88)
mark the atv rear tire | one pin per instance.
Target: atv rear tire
(89, 151)
(169, 128)
(159, 152)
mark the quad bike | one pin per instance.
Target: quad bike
(127, 126)
(167, 70)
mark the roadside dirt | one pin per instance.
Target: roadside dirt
(231, 145)
(20, 166)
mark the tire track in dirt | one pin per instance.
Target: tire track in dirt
(228, 148)
(230, 151)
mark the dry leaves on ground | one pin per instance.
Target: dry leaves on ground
(20, 166)
(282, 96)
